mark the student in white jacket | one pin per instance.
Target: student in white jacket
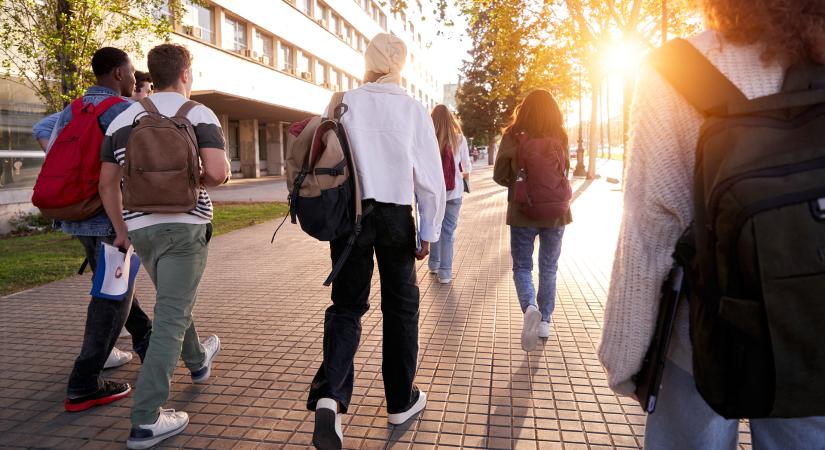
(397, 158)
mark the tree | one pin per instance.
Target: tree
(47, 45)
(512, 55)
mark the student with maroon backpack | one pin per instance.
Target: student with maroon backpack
(533, 164)
(76, 134)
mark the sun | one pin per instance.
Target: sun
(622, 56)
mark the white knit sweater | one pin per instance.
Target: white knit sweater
(658, 205)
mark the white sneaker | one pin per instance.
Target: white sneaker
(169, 423)
(327, 434)
(124, 333)
(117, 358)
(444, 280)
(212, 345)
(544, 330)
(418, 406)
(529, 335)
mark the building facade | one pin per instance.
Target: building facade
(259, 66)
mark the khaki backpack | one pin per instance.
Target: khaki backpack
(162, 165)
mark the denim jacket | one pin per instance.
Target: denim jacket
(98, 225)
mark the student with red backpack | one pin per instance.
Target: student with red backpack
(533, 164)
(455, 162)
(67, 191)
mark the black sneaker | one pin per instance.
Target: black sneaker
(110, 392)
(415, 407)
(142, 347)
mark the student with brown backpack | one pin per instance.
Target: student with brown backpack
(165, 150)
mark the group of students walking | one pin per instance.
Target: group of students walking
(411, 163)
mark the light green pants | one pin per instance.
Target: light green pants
(174, 255)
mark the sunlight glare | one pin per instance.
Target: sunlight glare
(622, 57)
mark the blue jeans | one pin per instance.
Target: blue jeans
(683, 420)
(522, 240)
(441, 252)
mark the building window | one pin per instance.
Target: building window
(374, 12)
(340, 81)
(263, 47)
(320, 73)
(233, 141)
(334, 24)
(198, 22)
(382, 20)
(346, 31)
(305, 6)
(321, 13)
(287, 61)
(304, 66)
(235, 36)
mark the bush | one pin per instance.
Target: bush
(26, 223)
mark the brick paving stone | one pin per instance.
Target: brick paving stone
(267, 304)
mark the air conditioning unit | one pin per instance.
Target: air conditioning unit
(249, 53)
(197, 32)
(341, 36)
(321, 22)
(187, 29)
(264, 60)
(329, 86)
(289, 70)
(306, 75)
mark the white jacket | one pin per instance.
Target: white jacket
(396, 152)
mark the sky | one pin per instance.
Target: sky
(451, 48)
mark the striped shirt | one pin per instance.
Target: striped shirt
(207, 131)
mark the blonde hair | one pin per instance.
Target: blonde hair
(447, 129)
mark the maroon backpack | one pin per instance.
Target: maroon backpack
(541, 189)
(448, 166)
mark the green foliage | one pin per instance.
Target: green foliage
(47, 45)
(29, 223)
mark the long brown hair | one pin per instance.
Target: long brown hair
(447, 130)
(792, 31)
(538, 116)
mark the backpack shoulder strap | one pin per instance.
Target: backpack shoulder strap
(149, 106)
(337, 99)
(104, 106)
(185, 108)
(695, 78)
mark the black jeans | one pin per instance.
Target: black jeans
(104, 320)
(389, 231)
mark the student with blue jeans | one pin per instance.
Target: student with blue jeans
(114, 75)
(456, 165)
(538, 116)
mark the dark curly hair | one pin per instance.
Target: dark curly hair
(793, 31)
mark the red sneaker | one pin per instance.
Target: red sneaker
(110, 392)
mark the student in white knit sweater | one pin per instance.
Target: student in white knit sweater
(751, 46)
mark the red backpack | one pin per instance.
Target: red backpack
(541, 188)
(448, 166)
(66, 187)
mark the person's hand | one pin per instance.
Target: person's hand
(122, 241)
(425, 250)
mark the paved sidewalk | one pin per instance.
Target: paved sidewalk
(266, 302)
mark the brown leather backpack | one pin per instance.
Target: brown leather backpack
(162, 165)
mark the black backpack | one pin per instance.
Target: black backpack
(757, 280)
(323, 184)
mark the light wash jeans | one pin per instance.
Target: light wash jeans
(522, 241)
(683, 421)
(441, 252)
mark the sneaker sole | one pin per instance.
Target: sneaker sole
(401, 418)
(324, 437)
(204, 378)
(154, 440)
(77, 407)
(529, 334)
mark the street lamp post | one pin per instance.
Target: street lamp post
(580, 171)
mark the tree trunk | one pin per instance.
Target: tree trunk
(491, 148)
(67, 66)
(594, 129)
